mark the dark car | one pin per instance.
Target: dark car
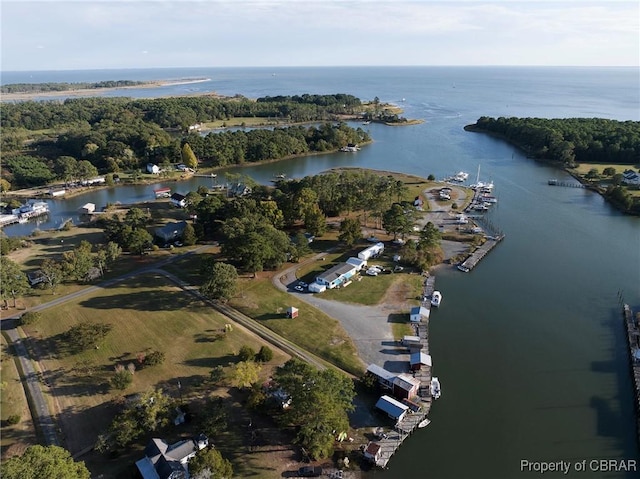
(309, 471)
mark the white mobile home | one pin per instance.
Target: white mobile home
(336, 276)
(371, 252)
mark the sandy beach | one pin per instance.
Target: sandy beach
(96, 91)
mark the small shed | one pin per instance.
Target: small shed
(405, 386)
(418, 313)
(419, 359)
(179, 200)
(292, 312)
(87, 209)
(394, 409)
(317, 287)
(373, 451)
(411, 341)
(153, 169)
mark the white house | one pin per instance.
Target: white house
(418, 313)
(153, 169)
(372, 251)
(168, 461)
(336, 276)
(357, 262)
(88, 208)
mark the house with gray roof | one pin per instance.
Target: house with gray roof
(337, 275)
(169, 461)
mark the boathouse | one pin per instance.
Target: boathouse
(87, 209)
(394, 409)
(419, 359)
(385, 378)
(162, 193)
(337, 275)
(418, 313)
(405, 386)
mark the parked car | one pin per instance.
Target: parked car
(298, 288)
(303, 284)
(310, 471)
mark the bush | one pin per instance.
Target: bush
(31, 317)
(264, 355)
(13, 419)
(246, 353)
(154, 358)
(122, 379)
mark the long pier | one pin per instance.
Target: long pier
(475, 257)
(390, 443)
(633, 337)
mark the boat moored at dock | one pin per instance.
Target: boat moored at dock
(435, 388)
(436, 298)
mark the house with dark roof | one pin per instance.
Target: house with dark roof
(171, 231)
(178, 200)
(169, 461)
(337, 275)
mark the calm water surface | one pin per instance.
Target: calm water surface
(529, 347)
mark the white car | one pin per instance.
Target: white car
(372, 272)
(299, 288)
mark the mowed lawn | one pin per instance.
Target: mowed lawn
(313, 330)
(14, 438)
(146, 313)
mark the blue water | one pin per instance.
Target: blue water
(529, 347)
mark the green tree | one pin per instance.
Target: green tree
(264, 355)
(13, 282)
(350, 231)
(114, 251)
(208, 463)
(54, 273)
(213, 417)
(609, 171)
(429, 236)
(85, 170)
(315, 221)
(188, 157)
(246, 353)
(139, 240)
(245, 373)
(219, 280)
(65, 168)
(4, 185)
(39, 462)
(79, 261)
(398, 221)
(86, 335)
(122, 379)
(189, 237)
(136, 218)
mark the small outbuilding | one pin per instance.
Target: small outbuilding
(373, 452)
(385, 378)
(162, 193)
(359, 263)
(405, 386)
(412, 342)
(418, 313)
(418, 359)
(317, 288)
(394, 409)
(292, 312)
(178, 200)
(153, 169)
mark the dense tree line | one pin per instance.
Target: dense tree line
(64, 86)
(120, 134)
(570, 140)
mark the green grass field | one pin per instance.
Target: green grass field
(14, 438)
(260, 300)
(146, 313)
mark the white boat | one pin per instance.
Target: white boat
(436, 298)
(424, 423)
(464, 269)
(435, 388)
(461, 176)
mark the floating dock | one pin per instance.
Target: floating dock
(633, 337)
(389, 443)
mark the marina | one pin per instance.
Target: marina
(31, 209)
(387, 444)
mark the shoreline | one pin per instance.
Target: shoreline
(83, 92)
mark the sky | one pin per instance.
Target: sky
(87, 34)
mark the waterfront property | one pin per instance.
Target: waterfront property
(418, 314)
(385, 378)
(162, 193)
(171, 231)
(153, 169)
(418, 359)
(405, 386)
(178, 200)
(87, 208)
(337, 275)
(393, 408)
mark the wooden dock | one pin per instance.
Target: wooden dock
(475, 257)
(566, 184)
(390, 442)
(633, 337)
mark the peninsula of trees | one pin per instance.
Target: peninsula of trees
(64, 86)
(111, 135)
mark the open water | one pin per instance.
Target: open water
(529, 347)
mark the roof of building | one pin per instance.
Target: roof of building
(171, 229)
(418, 357)
(392, 407)
(406, 382)
(177, 197)
(380, 372)
(373, 448)
(164, 461)
(334, 273)
(420, 310)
